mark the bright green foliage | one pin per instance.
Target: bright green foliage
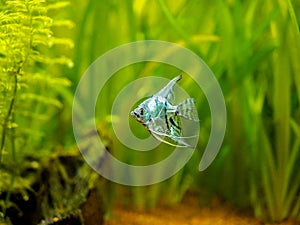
(29, 85)
(278, 138)
(258, 63)
(25, 31)
(253, 48)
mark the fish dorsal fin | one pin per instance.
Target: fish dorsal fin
(167, 91)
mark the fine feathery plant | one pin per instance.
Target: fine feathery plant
(25, 30)
(28, 86)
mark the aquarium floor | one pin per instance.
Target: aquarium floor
(186, 213)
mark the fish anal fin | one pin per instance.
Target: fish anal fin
(180, 144)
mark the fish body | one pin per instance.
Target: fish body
(162, 119)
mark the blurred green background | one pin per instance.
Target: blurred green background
(253, 48)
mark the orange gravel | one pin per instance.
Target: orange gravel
(186, 213)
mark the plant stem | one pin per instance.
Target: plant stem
(9, 113)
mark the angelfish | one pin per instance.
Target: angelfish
(162, 119)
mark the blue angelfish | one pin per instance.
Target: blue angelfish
(162, 119)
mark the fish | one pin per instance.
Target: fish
(163, 119)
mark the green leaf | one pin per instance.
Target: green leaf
(42, 99)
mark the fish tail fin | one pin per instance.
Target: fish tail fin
(187, 109)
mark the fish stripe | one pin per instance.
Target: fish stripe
(173, 123)
(166, 117)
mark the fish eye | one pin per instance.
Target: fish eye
(141, 111)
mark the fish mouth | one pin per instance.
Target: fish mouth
(136, 116)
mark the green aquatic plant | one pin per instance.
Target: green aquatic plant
(25, 31)
(260, 74)
(29, 85)
(253, 49)
(278, 128)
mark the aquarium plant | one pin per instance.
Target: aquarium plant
(31, 63)
(253, 49)
(259, 71)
